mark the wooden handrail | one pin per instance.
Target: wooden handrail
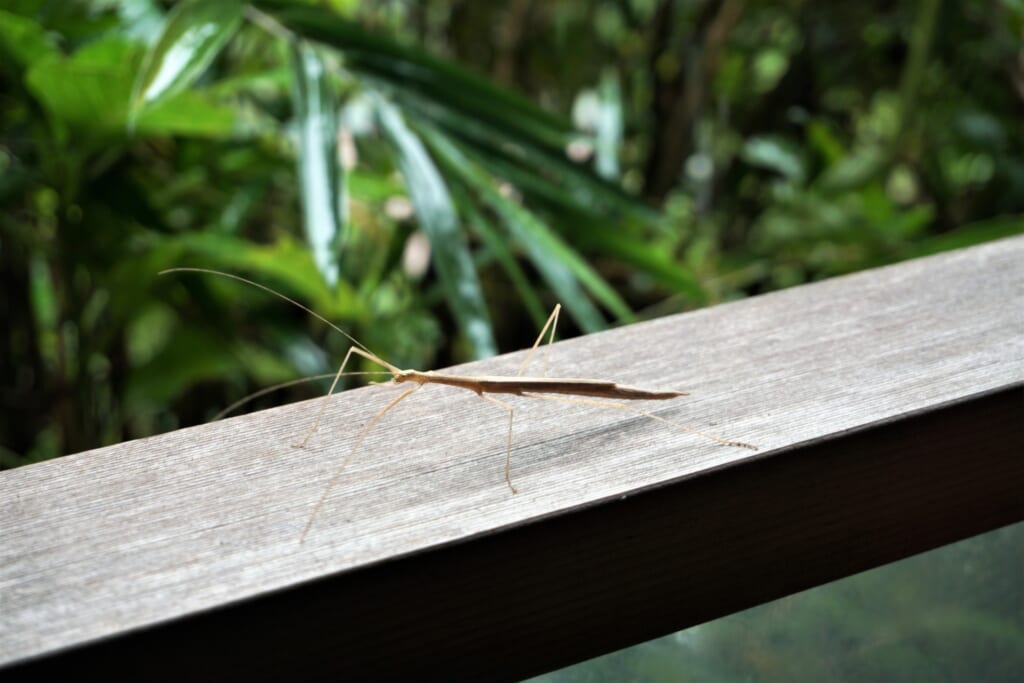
(888, 406)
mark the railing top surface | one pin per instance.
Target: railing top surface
(118, 538)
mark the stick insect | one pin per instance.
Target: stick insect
(596, 390)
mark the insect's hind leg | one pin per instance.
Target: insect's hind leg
(508, 448)
(552, 323)
(344, 463)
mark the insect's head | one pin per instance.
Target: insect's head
(400, 376)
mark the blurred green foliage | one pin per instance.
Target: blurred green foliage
(434, 175)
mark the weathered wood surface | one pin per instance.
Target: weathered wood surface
(888, 406)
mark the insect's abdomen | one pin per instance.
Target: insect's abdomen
(574, 387)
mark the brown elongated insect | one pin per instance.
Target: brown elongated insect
(481, 385)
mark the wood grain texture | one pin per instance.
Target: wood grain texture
(888, 406)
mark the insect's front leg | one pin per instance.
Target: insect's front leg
(341, 370)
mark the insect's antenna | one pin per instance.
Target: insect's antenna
(279, 295)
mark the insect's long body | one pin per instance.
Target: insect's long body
(524, 386)
(532, 387)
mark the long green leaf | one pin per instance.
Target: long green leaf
(544, 241)
(495, 243)
(193, 35)
(440, 222)
(559, 264)
(321, 177)
(549, 256)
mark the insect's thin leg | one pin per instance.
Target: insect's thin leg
(551, 338)
(341, 468)
(631, 409)
(323, 403)
(508, 447)
(552, 323)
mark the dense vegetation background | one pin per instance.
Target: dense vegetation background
(434, 175)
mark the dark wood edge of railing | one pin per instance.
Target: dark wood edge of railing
(547, 594)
